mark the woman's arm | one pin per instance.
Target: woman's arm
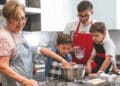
(49, 53)
(4, 68)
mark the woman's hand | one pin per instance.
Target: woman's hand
(30, 82)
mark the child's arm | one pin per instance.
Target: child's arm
(106, 63)
(110, 50)
(115, 69)
(49, 53)
(90, 60)
(88, 68)
(102, 68)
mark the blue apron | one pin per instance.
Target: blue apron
(21, 63)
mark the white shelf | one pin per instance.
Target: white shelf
(41, 70)
(40, 65)
(1, 7)
(30, 10)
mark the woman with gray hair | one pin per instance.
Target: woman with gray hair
(15, 54)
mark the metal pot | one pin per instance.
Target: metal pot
(75, 72)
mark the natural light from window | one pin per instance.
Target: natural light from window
(118, 14)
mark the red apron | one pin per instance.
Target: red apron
(82, 40)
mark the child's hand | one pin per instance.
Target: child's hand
(93, 75)
(66, 64)
(72, 63)
(88, 69)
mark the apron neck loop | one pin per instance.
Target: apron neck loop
(78, 27)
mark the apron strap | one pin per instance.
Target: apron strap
(78, 26)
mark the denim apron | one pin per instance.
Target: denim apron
(21, 63)
(83, 40)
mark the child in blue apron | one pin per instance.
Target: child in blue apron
(103, 53)
(62, 48)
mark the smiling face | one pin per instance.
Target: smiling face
(98, 37)
(85, 16)
(17, 22)
(64, 44)
(85, 11)
(98, 32)
(64, 49)
(14, 13)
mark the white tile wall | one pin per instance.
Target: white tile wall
(115, 35)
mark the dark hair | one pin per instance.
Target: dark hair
(98, 27)
(64, 39)
(84, 5)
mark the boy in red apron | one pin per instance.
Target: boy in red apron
(103, 53)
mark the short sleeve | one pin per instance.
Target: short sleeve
(4, 47)
(67, 29)
(93, 52)
(39, 50)
(110, 48)
(69, 57)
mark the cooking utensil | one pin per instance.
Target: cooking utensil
(75, 72)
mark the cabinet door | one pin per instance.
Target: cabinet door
(2, 2)
(105, 10)
(55, 14)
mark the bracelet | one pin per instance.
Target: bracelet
(99, 72)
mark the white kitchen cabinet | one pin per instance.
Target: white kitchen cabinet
(56, 14)
(105, 10)
(33, 10)
(118, 14)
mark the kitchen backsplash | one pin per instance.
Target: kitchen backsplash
(43, 38)
(40, 38)
(115, 35)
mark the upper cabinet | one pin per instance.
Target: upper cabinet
(105, 10)
(118, 13)
(55, 14)
(33, 6)
(33, 10)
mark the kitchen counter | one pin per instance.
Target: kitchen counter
(61, 83)
(70, 83)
